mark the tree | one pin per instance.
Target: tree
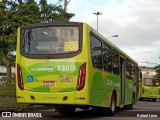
(157, 68)
(7, 38)
(22, 12)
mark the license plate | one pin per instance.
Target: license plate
(48, 83)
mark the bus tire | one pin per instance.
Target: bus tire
(65, 110)
(154, 100)
(134, 100)
(112, 108)
(140, 99)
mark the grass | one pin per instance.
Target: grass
(8, 98)
(7, 88)
(8, 102)
(7, 92)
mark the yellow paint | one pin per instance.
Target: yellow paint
(71, 46)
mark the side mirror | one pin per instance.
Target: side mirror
(140, 74)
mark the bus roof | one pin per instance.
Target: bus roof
(93, 30)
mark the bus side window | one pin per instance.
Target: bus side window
(96, 52)
(128, 69)
(115, 62)
(132, 71)
(107, 58)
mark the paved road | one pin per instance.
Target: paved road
(144, 109)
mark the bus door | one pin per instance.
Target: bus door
(139, 80)
(122, 74)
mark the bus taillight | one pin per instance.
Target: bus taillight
(20, 78)
(142, 90)
(81, 77)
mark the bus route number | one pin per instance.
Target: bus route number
(66, 67)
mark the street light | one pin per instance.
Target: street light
(98, 13)
(112, 36)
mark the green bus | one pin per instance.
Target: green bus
(150, 89)
(70, 65)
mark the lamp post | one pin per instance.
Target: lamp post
(112, 36)
(98, 13)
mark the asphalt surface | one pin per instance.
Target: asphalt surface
(143, 110)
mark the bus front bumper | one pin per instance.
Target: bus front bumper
(150, 96)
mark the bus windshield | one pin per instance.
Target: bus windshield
(152, 82)
(50, 40)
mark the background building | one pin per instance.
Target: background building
(148, 72)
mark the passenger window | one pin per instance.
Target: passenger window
(115, 62)
(132, 71)
(107, 58)
(128, 69)
(96, 52)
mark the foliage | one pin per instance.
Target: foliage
(21, 12)
(158, 66)
(15, 14)
(157, 69)
(7, 84)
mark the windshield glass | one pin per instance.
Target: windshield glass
(152, 82)
(50, 40)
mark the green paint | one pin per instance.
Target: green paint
(98, 82)
(41, 89)
(102, 86)
(51, 68)
(67, 90)
(48, 68)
